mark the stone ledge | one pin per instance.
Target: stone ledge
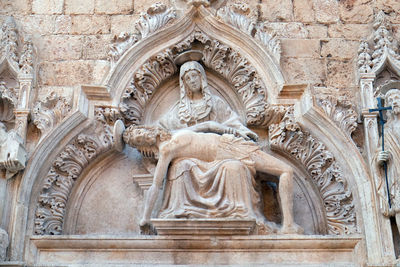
(206, 250)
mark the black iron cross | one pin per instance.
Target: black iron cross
(382, 122)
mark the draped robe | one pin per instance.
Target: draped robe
(223, 188)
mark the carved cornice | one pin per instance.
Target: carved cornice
(240, 17)
(64, 171)
(49, 112)
(217, 56)
(340, 110)
(156, 17)
(288, 137)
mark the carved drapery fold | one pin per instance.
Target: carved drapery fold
(288, 137)
(64, 171)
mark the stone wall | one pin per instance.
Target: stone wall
(319, 38)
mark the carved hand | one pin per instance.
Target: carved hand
(383, 156)
(248, 135)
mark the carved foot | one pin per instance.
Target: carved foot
(291, 229)
(147, 229)
(266, 228)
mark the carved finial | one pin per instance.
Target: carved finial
(156, 17)
(9, 40)
(364, 58)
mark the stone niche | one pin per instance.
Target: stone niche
(89, 192)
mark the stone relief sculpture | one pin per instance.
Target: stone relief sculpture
(12, 151)
(391, 156)
(205, 180)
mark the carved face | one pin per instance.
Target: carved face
(192, 80)
(393, 99)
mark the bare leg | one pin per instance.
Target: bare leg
(271, 165)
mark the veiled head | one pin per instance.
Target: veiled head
(187, 81)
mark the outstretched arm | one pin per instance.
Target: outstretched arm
(152, 193)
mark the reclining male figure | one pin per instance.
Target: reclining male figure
(168, 146)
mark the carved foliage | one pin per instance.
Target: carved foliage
(9, 40)
(26, 59)
(383, 46)
(288, 137)
(49, 112)
(63, 173)
(241, 17)
(341, 111)
(156, 17)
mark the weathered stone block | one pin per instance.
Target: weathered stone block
(339, 48)
(113, 6)
(71, 72)
(270, 11)
(63, 24)
(96, 46)
(300, 48)
(356, 13)
(317, 31)
(303, 70)
(38, 24)
(100, 71)
(289, 30)
(340, 74)
(90, 24)
(123, 23)
(349, 31)
(326, 11)
(79, 7)
(8, 7)
(303, 11)
(47, 6)
(60, 47)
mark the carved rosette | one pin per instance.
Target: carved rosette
(341, 111)
(49, 112)
(64, 171)
(224, 60)
(288, 137)
(156, 17)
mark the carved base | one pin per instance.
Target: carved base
(203, 226)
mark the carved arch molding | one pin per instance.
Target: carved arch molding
(285, 135)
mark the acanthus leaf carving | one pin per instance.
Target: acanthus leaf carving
(340, 110)
(66, 168)
(288, 137)
(156, 17)
(9, 40)
(26, 59)
(240, 17)
(49, 112)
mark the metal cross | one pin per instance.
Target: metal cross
(382, 122)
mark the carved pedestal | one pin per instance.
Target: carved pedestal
(203, 226)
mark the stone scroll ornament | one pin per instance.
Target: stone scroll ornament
(224, 60)
(287, 137)
(66, 168)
